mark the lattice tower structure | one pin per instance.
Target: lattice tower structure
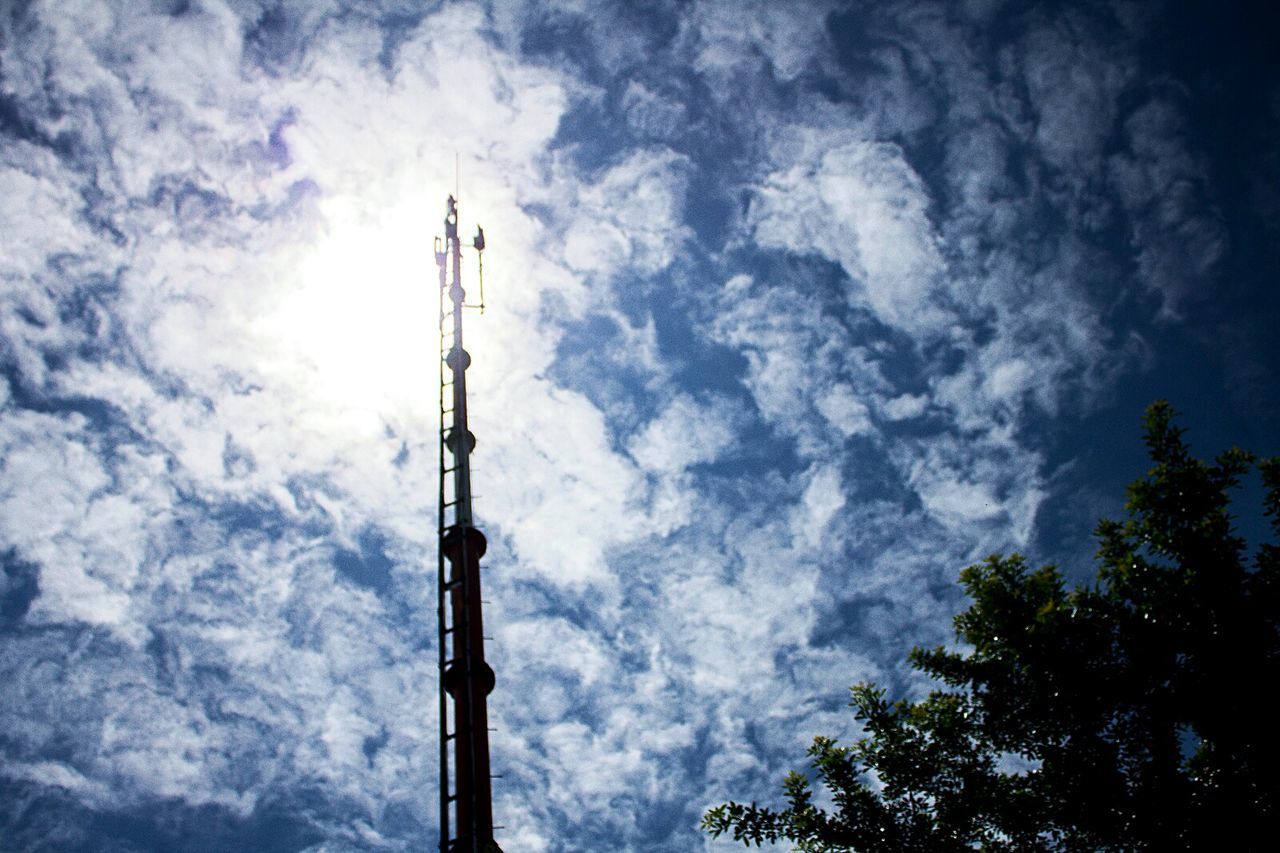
(466, 796)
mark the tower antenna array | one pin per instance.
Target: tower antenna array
(465, 679)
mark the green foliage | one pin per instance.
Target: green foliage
(1127, 714)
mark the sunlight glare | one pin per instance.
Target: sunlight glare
(360, 326)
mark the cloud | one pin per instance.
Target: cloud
(630, 218)
(859, 204)
(804, 369)
(685, 433)
(649, 114)
(1074, 84)
(823, 498)
(1166, 195)
(906, 406)
(845, 411)
(729, 36)
(566, 496)
(88, 520)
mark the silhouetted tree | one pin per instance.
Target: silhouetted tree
(1133, 713)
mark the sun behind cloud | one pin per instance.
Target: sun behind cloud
(358, 324)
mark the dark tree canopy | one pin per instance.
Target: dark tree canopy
(1132, 713)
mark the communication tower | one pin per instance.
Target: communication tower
(465, 679)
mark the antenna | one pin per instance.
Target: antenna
(465, 679)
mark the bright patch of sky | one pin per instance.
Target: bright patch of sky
(793, 310)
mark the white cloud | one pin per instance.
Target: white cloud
(823, 498)
(40, 212)
(562, 494)
(905, 407)
(860, 204)
(984, 487)
(650, 114)
(58, 775)
(88, 515)
(687, 432)
(630, 217)
(803, 370)
(730, 36)
(1074, 88)
(845, 411)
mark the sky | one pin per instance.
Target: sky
(794, 309)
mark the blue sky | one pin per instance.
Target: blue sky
(795, 309)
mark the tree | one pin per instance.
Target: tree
(1127, 714)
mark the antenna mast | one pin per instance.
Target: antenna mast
(465, 679)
